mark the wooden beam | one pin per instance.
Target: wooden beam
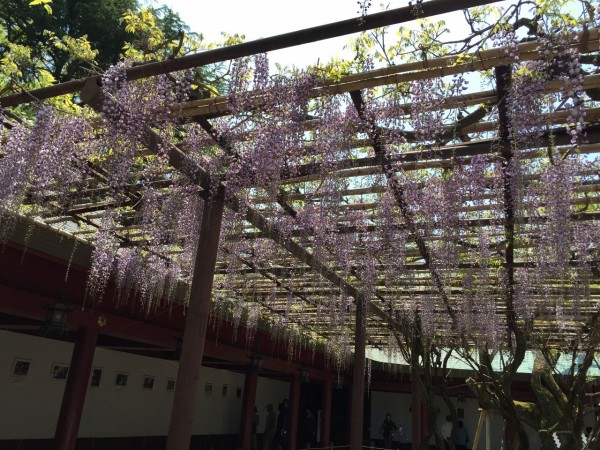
(342, 28)
(92, 95)
(399, 193)
(307, 172)
(405, 73)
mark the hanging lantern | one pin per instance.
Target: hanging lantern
(56, 318)
(304, 376)
(338, 384)
(255, 362)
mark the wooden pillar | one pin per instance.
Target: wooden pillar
(248, 405)
(75, 389)
(326, 413)
(184, 401)
(416, 414)
(358, 377)
(294, 411)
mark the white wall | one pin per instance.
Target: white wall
(269, 391)
(30, 405)
(398, 404)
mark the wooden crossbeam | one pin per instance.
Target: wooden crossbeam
(92, 95)
(342, 28)
(405, 73)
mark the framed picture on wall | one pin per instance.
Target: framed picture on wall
(21, 367)
(238, 392)
(170, 384)
(208, 389)
(96, 377)
(148, 382)
(121, 379)
(59, 371)
(224, 389)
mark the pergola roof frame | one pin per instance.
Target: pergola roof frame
(432, 68)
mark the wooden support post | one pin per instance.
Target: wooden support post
(248, 405)
(482, 418)
(416, 413)
(326, 413)
(184, 401)
(358, 377)
(75, 389)
(294, 411)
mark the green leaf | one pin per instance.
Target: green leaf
(44, 3)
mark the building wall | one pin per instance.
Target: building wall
(398, 404)
(30, 405)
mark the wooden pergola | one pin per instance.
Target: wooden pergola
(295, 274)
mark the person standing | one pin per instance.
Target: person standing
(446, 431)
(255, 423)
(270, 426)
(281, 431)
(387, 430)
(462, 437)
(399, 436)
(308, 430)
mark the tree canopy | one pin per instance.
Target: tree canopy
(74, 39)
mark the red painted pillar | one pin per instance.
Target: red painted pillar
(416, 414)
(248, 405)
(75, 389)
(326, 413)
(358, 377)
(196, 321)
(294, 411)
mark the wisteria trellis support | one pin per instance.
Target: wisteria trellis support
(287, 40)
(281, 197)
(196, 323)
(188, 374)
(399, 195)
(92, 95)
(216, 138)
(503, 81)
